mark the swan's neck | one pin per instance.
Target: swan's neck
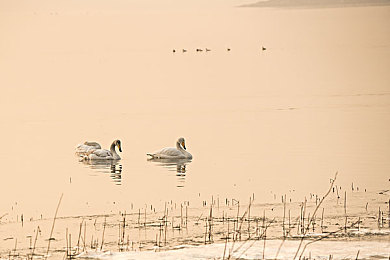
(179, 147)
(112, 150)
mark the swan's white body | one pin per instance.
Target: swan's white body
(86, 148)
(172, 153)
(103, 154)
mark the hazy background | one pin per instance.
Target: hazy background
(270, 122)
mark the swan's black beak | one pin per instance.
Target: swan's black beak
(120, 148)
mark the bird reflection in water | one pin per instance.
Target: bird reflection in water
(112, 167)
(175, 165)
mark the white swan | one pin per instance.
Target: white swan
(173, 153)
(86, 148)
(103, 154)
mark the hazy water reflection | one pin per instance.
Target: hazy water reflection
(175, 165)
(112, 167)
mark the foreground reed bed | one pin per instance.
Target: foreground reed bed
(239, 226)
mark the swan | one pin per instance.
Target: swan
(172, 153)
(87, 147)
(103, 154)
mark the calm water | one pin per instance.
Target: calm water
(268, 122)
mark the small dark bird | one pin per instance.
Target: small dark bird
(228, 49)
(173, 50)
(184, 50)
(199, 50)
(263, 48)
(208, 49)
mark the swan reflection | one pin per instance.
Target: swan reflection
(175, 165)
(112, 167)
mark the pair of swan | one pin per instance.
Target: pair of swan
(93, 151)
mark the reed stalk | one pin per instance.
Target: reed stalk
(52, 227)
(315, 211)
(104, 229)
(35, 242)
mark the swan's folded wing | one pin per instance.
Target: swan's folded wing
(170, 151)
(93, 145)
(102, 153)
(84, 149)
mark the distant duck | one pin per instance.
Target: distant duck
(208, 49)
(228, 49)
(173, 50)
(172, 153)
(103, 154)
(184, 50)
(263, 48)
(199, 50)
(87, 147)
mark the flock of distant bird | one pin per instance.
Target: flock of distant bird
(207, 50)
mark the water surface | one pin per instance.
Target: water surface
(316, 101)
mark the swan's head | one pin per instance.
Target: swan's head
(118, 144)
(182, 142)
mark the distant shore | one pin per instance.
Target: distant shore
(317, 3)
